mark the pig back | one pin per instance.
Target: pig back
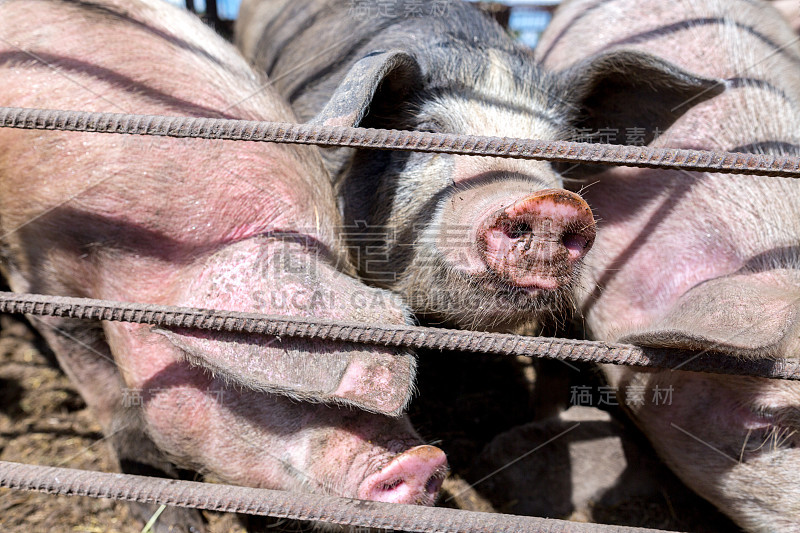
(735, 41)
(440, 37)
(197, 184)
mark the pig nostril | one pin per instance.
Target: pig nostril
(434, 484)
(518, 229)
(575, 242)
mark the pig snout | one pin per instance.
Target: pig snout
(534, 242)
(413, 477)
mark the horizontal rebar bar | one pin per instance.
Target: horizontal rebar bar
(397, 335)
(243, 130)
(281, 504)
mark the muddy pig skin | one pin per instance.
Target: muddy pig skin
(472, 242)
(704, 262)
(238, 226)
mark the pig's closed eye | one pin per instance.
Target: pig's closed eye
(772, 438)
(771, 430)
(429, 127)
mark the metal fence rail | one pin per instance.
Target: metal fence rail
(244, 130)
(397, 335)
(281, 504)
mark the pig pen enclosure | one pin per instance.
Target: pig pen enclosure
(475, 407)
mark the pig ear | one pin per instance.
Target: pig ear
(731, 315)
(370, 378)
(389, 73)
(630, 89)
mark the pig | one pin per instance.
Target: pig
(236, 226)
(470, 242)
(698, 261)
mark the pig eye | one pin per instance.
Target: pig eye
(770, 436)
(429, 127)
(773, 438)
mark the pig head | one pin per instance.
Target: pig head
(474, 242)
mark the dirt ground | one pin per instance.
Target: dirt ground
(44, 421)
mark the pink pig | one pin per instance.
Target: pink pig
(237, 226)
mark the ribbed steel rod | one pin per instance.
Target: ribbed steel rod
(299, 506)
(396, 335)
(243, 130)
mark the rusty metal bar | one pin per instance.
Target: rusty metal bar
(397, 335)
(281, 504)
(243, 130)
